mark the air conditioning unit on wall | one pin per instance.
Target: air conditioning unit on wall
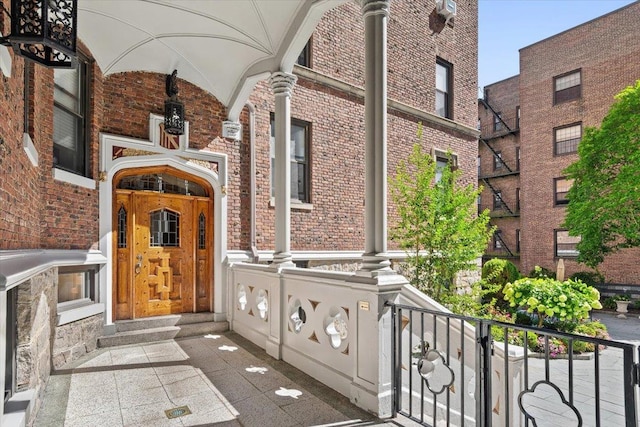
(446, 8)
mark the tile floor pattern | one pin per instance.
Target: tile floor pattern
(224, 380)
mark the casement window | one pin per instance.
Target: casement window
(300, 171)
(567, 138)
(444, 88)
(567, 87)
(561, 187)
(518, 117)
(498, 203)
(304, 58)
(565, 245)
(517, 158)
(70, 118)
(444, 159)
(517, 199)
(498, 164)
(497, 122)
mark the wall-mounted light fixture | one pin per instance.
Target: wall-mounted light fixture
(44, 31)
(173, 107)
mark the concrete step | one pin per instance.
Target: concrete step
(162, 321)
(162, 332)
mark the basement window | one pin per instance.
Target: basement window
(77, 290)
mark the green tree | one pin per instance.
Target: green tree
(604, 201)
(437, 223)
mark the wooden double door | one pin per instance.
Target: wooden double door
(163, 254)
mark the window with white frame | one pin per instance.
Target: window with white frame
(300, 173)
(567, 138)
(565, 245)
(70, 118)
(76, 284)
(567, 87)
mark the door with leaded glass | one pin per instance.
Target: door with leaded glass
(163, 246)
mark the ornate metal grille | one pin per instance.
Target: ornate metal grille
(165, 228)
(122, 227)
(202, 232)
(45, 31)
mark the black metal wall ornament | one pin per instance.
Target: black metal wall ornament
(44, 31)
(173, 107)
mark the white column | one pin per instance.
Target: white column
(375, 260)
(282, 84)
(3, 338)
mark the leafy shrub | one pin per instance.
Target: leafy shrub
(549, 298)
(542, 273)
(609, 303)
(466, 304)
(591, 278)
(495, 274)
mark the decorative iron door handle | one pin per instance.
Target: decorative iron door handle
(138, 264)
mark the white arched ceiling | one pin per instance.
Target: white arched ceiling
(222, 46)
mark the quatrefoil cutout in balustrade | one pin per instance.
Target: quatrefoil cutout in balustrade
(337, 330)
(435, 372)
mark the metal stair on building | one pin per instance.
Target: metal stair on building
(160, 328)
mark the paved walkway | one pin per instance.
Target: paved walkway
(220, 380)
(224, 380)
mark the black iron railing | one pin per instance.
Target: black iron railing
(455, 370)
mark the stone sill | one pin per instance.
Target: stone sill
(295, 205)
(17, 409)
(71, 178)
(76, 310)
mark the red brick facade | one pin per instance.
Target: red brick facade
(604, 51)
(40, 212)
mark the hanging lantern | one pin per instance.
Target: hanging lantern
(44, 31)
(173, 107)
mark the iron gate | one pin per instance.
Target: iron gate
(453, 370)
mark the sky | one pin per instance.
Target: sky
(505, 26)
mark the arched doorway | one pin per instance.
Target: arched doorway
(163, 243)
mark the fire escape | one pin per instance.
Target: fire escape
(490, 132)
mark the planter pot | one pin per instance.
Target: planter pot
(622, 306)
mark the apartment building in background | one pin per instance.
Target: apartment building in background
(531, 125)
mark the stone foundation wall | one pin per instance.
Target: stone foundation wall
(345, 265)
(76, 339)
(37, 301)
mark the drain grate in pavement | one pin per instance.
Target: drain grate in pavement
(177, 412)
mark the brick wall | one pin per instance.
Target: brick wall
(41, 212)
(606, 50)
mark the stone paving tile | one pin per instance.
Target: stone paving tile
(259, 411)
(149, 414)
(111, 419)
(232, 385)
